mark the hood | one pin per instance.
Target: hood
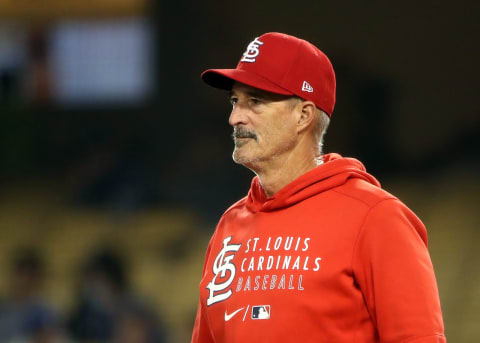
(335, 171)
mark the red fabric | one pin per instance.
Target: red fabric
(331, 257)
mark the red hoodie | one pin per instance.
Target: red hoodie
(331, 257)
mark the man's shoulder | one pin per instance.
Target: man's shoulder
(364, 192)
(239, 205)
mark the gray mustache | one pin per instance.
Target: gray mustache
(239, 132)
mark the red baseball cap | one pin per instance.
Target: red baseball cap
(283, 64)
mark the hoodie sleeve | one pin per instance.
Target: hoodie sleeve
(393, 269)
(201, 330)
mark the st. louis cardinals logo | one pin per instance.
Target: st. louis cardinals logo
(252, 51)
(221, 265)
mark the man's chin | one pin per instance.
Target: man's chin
(240, 157)
(245, 159)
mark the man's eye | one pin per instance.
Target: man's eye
(233, 101)
(256, 101)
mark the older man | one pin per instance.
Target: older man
(317, 251)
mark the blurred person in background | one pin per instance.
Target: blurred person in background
(137, 323)
(107, 310)
(12, 61)
(317, 251)
(25, 316)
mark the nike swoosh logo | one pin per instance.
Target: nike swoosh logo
(230, 316)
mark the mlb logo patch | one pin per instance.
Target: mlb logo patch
(261, 312)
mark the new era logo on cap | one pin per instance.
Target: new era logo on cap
(306, 87)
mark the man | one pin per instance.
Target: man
(317, 251)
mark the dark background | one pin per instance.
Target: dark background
(407, 107)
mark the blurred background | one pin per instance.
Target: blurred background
(115, 159)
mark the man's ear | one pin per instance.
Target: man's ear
(307, 115)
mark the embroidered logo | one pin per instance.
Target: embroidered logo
(231, 315)
(306, 87)
(221, 281)
(261, 312)
(252, 51)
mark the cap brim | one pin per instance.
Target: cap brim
(224, 78)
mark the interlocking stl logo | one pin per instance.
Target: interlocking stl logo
(222, 265)
(252, 51)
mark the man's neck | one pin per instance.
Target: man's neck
(282, 170)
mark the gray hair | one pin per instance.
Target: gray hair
(321, 126)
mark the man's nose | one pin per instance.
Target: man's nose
(238, 116)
